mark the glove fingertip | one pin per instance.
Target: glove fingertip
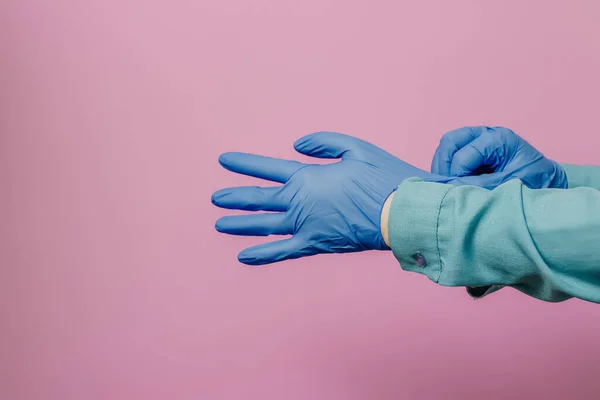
(308, 139)
(227, 160)
(459, 171)
(218, 196)
(222, 225)
(441, 168)
(440, 165)
(223, 158)
(245, 257)
(298, 144)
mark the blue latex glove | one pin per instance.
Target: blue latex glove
(331, 208)
(488, 157)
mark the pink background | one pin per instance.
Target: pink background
(113, 282)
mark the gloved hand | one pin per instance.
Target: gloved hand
(332, 208)
(488, 157)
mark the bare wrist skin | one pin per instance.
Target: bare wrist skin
(385, 214)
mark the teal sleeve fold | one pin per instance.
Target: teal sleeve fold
(582, 176)
(544, 243)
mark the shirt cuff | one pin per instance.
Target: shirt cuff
(418, 232)
(413, 226)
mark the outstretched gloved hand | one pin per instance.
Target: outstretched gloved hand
(332, 208)
(488, 157)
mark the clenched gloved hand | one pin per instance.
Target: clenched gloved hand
(332, 208)
(487, 157)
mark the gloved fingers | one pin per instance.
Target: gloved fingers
(450, 143)
(250, 198)
(256, 224)
(330, 145)
(279, 250)
(273, 169)
(481, 152)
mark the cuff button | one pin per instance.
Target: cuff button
(419, 259)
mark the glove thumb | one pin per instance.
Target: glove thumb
(329, 145)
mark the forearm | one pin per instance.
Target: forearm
(582, 176)
(541, 242)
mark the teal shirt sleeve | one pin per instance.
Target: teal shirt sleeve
(582, 176)
(544, 243)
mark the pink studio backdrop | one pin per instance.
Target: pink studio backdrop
(114, 284)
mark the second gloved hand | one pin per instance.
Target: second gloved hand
(332, 208)
(488, 157)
